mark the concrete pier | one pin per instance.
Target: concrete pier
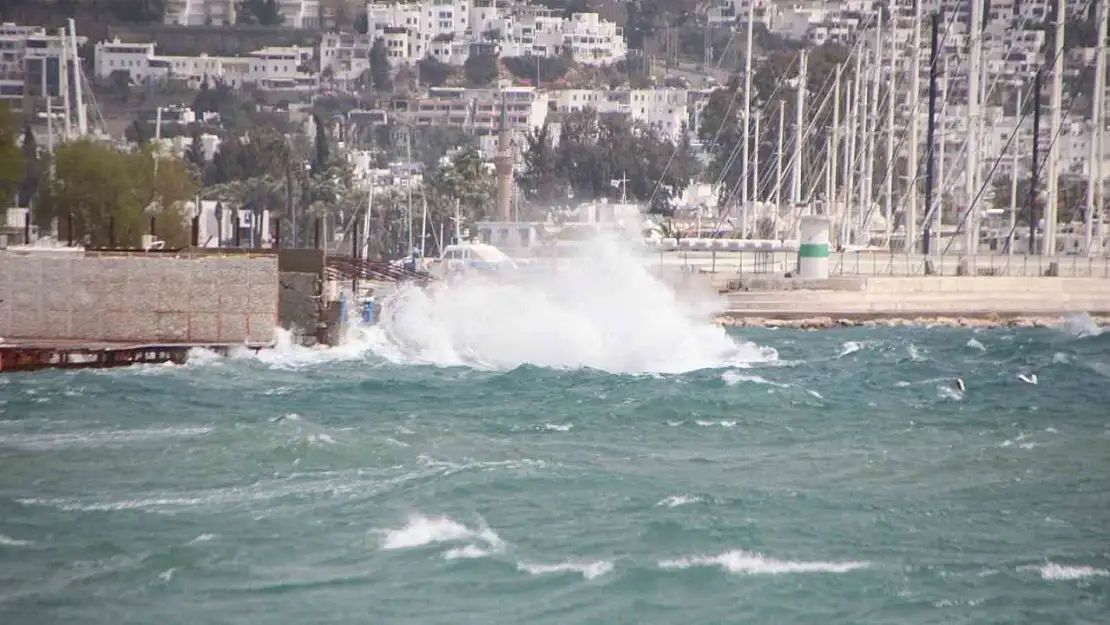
(76, 308)
(906, 297)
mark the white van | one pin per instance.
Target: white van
(463, 257)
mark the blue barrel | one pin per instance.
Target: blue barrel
(368, 312)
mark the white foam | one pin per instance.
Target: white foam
(589, 569)
(733, 378)
(975, 344)
(8, 541)
(1060, 572)
(675, 501)
(100, 438)
(468, 552)
(849, 347)
(602, 309)
(1081, 326)
(749, 563)
(421, 530)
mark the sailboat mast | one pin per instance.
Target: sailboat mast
(937, 209)
(63, 84)
(971, 170)
(1054, 133)
(875, 61)
(892, 101)
(1095, 195)
(778, 162)
(915, 130)
(800, 133)
(82, 117)
(832, 195)
(756, 196)
(746, 138)
(408, 190)
(1016, 146)
(930, 140)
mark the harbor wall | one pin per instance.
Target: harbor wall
(138, 298)
(922, 296)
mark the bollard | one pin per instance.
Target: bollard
(153, 230)
(111, 231)
(196, 231)
(27, 228)
(275, 228)
(69, 229)
(317, 234)
(238, 231)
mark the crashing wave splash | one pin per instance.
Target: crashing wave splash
(603, 309)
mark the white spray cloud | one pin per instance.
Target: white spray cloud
(603, 309)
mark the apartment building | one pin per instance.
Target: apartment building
(278, 68)
(200, 12)
(478, 110)
(449, 29)
(30, 59)
(294, 13)
(665, 110)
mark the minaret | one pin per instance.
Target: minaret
(504, 166)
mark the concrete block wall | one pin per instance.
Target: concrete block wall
(138, 298)
(924, 296)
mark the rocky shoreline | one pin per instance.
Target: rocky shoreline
(825, 323)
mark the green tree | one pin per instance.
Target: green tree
(362, 22)
(194, 154)
(434, 72)
(323, 152)
(481, 69)
(98, 188)
(12, 161)
(380, 73)
(540, 180)
(34, 167)
(537, 69)
(594, 150)
(259, 12)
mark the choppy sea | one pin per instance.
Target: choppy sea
(822, 477)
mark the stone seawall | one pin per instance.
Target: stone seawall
(138, 298)
(920, 297)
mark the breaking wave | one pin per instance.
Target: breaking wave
(603, 309)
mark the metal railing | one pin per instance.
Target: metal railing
(879, 263)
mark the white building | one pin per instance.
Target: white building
(294, 13)
(346, 55)
(200, 12)
(478, 110)
(26, 52)
(300, 13)
(113, 56)
(278, 68)
(448, 29)
(594, 41)
(665, 110)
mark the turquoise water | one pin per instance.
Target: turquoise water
(844, 481)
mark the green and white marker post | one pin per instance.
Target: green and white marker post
(813, 252)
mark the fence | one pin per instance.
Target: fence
(879, 263)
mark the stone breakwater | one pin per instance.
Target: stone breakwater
(824, 323)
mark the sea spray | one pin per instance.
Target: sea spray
(602, 309)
